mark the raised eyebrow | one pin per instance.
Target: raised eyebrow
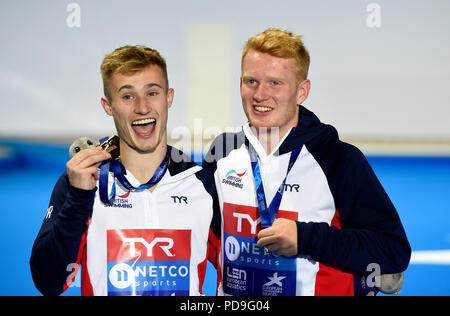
(147, 86)
(125, 87)
(151, 85)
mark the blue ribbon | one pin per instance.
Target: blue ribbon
(103, 184)
(116, 168)
(268, 214)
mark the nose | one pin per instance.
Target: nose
(260, 93)
(142, 106)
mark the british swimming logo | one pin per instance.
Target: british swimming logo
(234, 178)
(121, 201)
(148, 262)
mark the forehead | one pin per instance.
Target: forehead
(149, 75)
(257, 63)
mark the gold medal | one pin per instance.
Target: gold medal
(112, 146)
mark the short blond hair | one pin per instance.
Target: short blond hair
(128, 60)
(280, 43)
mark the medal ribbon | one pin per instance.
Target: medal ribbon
(116, 167)
(268, 214)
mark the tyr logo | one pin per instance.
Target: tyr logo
(149, 246)
(290, 187)
(253, 223)
(179, 199)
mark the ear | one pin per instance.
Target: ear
(170, 95)
(303, 91)
(106, 105)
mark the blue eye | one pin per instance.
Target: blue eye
(250, 81)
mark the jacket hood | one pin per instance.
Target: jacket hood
(309, 129)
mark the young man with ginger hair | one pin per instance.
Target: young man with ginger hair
(303, 212)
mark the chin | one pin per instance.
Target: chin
(143, 146)
(148, 148)
(260, 124)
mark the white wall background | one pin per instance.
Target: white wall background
(391, 81)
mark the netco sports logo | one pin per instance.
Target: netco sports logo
(148, 261)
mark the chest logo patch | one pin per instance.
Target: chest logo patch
(248, 269)
(148, 262)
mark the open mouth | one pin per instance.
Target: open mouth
(143, 122)
(262, 109)
(144, 127)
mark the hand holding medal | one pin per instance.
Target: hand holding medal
(280, 238)
(82, 168)
(86, 159)
(111, 146)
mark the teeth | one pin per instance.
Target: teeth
(263, 109)
(144, 122)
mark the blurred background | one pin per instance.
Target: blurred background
(380, 74)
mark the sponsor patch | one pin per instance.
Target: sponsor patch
(148, 262)
(250, 270)
(234, 178)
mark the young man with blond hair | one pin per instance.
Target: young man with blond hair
(303, 212)
(145, 230)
